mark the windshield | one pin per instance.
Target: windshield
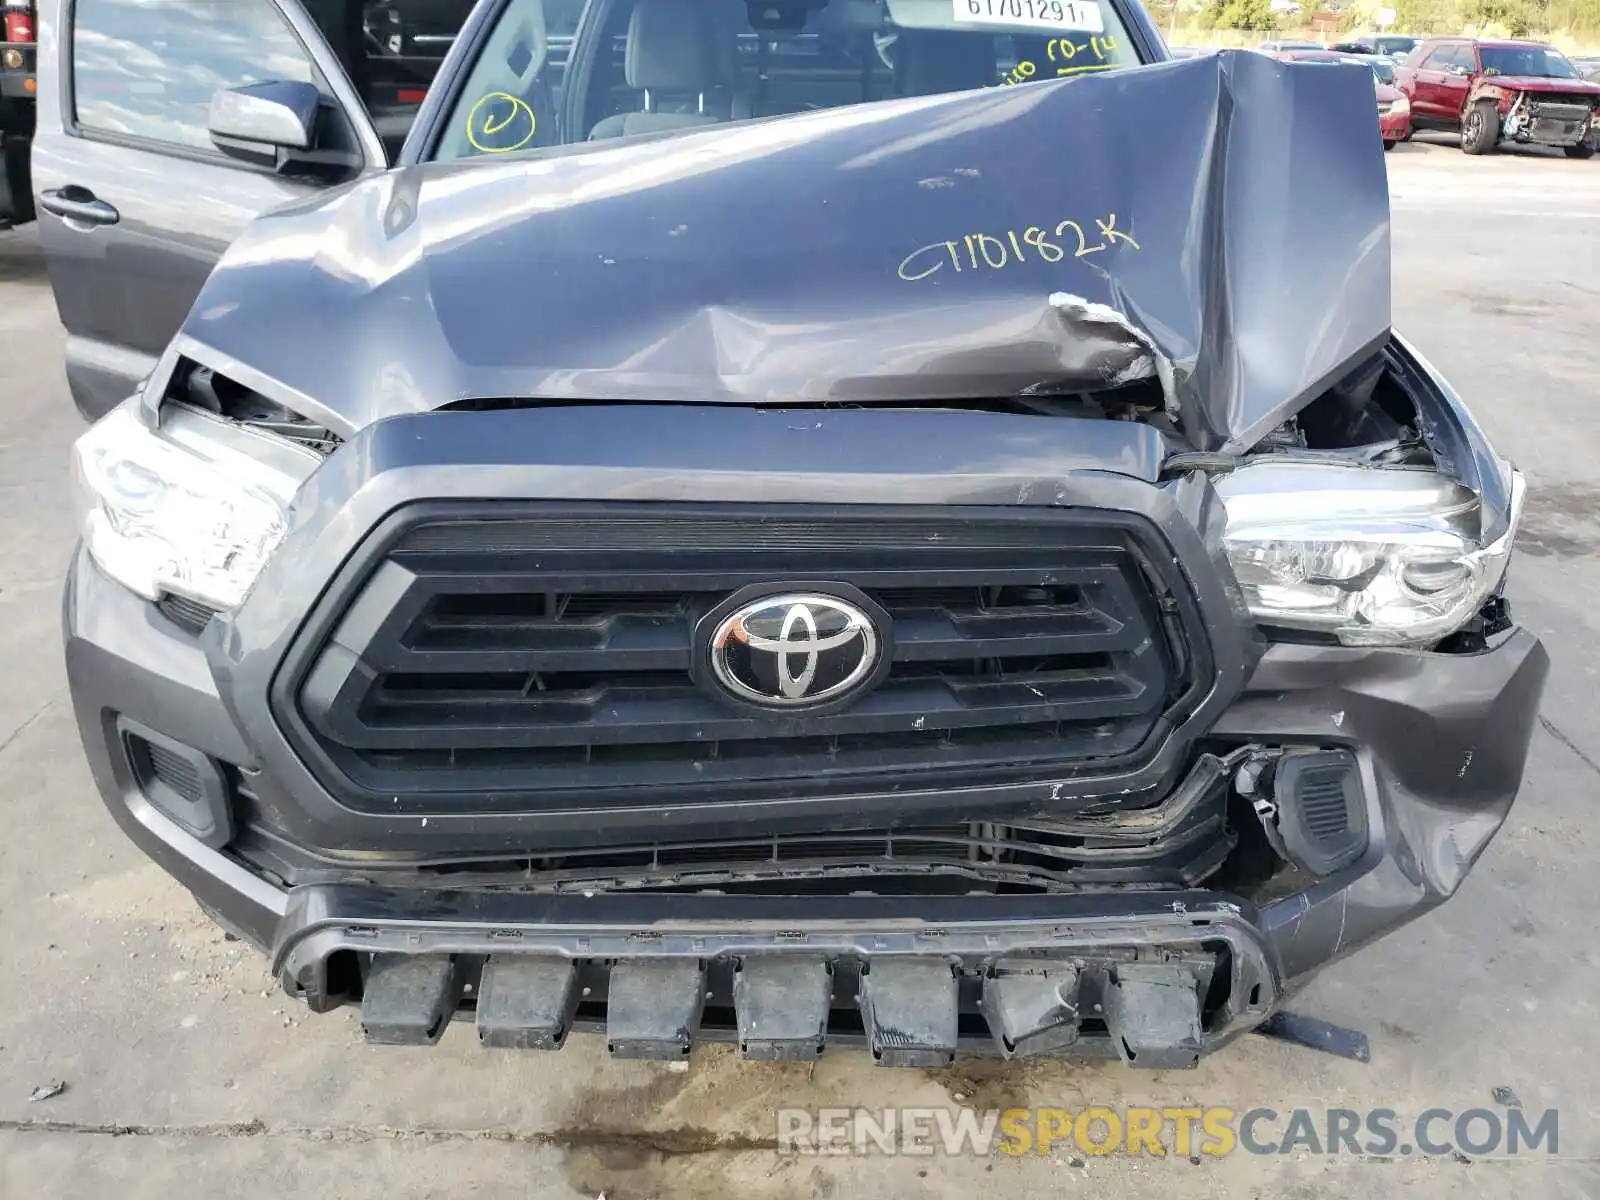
(1396, 45)
(1383, 70)
(639, 67)
(1526, 60)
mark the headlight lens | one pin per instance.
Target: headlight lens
(185, 514)
(1400, 106)
(1375, 557)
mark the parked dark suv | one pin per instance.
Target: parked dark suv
(789, 523)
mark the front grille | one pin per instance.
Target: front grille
(1552, 102)
(1565, 113)
(533, 658)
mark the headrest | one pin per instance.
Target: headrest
(930, 61)
(669, 47)
(850, 16)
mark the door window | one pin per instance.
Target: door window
(391, 49)
(149, 68)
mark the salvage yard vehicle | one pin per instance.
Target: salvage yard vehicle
(17, 86)
(1394, 47)
(1278, 46)
(747, 537)
(1493, 92)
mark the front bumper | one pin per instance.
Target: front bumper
(1394, 127)
(1547, 128)
(1441, 742)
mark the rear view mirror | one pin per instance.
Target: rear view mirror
(259, 122)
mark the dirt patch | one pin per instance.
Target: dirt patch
(612, 1158)
(1561, 521)
(162, 930)
(707, 1176)
(673, 1134)
(1400, 1033)
(985, 1085)
(1507, 306)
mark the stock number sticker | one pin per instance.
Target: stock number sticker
(1082, 15)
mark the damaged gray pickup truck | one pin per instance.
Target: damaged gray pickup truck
(894, 523)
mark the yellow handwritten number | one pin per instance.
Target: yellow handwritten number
(481, 122)
(1109, 231)
(987, 252)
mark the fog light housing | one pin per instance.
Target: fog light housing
(1322, 811)
(183, 784)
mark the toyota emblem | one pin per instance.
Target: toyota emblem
(794, 650)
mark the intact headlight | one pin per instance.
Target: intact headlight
(1375, 557)
(195, 509)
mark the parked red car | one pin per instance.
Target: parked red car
(1500, 91)
(17, 89)
(1394, 110)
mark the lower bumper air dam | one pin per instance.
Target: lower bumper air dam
(1156, 980)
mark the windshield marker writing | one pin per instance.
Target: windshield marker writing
(1065, 50)
(481, 122)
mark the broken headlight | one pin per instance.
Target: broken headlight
(192, 509)
(1374, 557)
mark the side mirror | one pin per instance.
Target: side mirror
(263, 122)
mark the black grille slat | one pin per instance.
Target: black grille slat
(870, 573)
(861, 531)
(627, 643)
(543, 660)
(677, 764)
(662, 712)
(659, 639)
(938, 634)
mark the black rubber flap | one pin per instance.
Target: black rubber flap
(1031, 1005)
(1153, 1013)
(408, 998)
(526, 1001)
(909, 1006)
(782, 1005)
(653, 1007)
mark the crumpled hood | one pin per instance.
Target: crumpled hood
(1219, 225)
